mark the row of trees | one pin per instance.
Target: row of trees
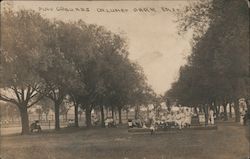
(217, 71)
(83, 63)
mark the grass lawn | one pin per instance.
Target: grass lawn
(228, 142)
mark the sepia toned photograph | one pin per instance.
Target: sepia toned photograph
(125, 79)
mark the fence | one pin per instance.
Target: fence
(49, 120)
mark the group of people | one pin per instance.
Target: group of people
(180, 118)
(177, 117)
(109, 122)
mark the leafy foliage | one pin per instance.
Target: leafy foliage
(43, 59)
(217, 69)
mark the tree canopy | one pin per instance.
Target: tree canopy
(23, 34)
(85, 63)
(218, 67)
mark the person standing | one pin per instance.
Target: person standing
(211, 116)
(178, 119)
(188, 117)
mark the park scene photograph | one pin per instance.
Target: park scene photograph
(125, 79)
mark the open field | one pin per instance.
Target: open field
(228, 142)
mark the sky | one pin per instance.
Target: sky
(151, 31)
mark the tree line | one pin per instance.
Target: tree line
(217, 71)
(83, 63)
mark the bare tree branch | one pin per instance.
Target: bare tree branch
(36, 101)
(16, 93)
(7, 99)
(22, 93)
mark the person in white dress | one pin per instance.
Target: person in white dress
(211, 117)
(107, 122)
(178, 119)
(183, 118)
(188, 117)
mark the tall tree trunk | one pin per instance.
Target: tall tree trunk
(102, 116)
(66, 116)
(46, 116)
(219, 113)
(112, 109)
(206, 114)
(107, 111)
(248, 104)
(195, 110)
(237, 111)
(88, 116)
(137, 109)
(57, 116)
(127, 114)
(230, 110)
(120, 115)
(76, 115)
(225, 111)
(216, 111)
(24, 119)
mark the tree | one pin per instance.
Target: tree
(120, 81)
(75, 44)
(45, 106)
(106, 76)
(57, 71)
(42, 59)
(23, 36)
(217, 69)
